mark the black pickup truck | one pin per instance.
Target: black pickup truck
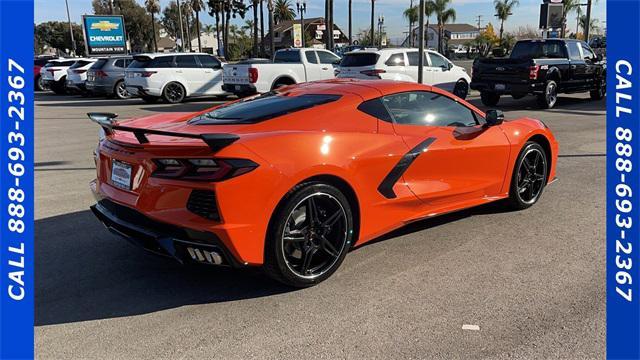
(543, 68)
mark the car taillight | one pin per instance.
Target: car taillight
(253, 75)
(147, 73)
(533, 72)
(374, 72)
(202, 169)
(100, 74)
(79, 71)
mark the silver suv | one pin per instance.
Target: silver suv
(106, 77)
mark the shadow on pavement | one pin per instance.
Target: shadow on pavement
(569, 105)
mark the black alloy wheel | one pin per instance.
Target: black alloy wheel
(489, 98)
(311, 234)
(529, 176)
(173, 93)
(461, 89)
(120, 90)
(549, 97)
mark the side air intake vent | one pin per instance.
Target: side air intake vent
(203, 203)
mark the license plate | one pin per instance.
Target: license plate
(500, 87)
(121, 174)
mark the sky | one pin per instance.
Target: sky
(467, 11)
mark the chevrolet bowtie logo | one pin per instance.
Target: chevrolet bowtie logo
(104, 25)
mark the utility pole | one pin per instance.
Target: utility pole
(479, 20)
(373, 35)
(421, 45)
(271, 41)
(380, 26)
(181, 27)
(350, 33)
(73, 42)
(330, 25)
(588, 22)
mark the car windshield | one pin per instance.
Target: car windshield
(261, 108)
(359, 59)
(287, 56)
(538, 50)
(79, 64)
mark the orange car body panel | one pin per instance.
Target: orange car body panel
(464, 167)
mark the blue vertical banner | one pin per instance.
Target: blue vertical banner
(16, 179)
(623, 179)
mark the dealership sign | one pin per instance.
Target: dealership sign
(104, 35)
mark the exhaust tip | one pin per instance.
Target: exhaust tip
(205, 256)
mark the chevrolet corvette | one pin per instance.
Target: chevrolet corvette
(293, 179)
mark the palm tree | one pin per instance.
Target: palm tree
(429, 9)
(262, 52)
(567, 7)
(503, 11)
(248, 25)
(153, 7)
(186, 11)
(578, 16)
(254, 30)
(208, 29)
(443, 14)
(411, 14)
(283, 11)
(197, 6)
(593, 24)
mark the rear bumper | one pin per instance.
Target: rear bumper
(76, 86)
(99, 88)
(509, 88)
(181, 244)
(137, 90)
(240, 89)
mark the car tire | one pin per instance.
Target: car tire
(150, 99)
(39, 84)
(600, 91)
(60, 87)
(529, 176)
(174, 93)
(549, 97)
(120, 91)
(489, 98)
(461, 89)
(300, 253)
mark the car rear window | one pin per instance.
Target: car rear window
(261, 108)
(98, 64)
(287, 57)
(80, 63)
(60, 63)
(539, 50)
(147, 62)
(359, 59)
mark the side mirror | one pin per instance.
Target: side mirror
(494, 117)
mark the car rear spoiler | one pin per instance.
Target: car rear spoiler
(108, 124)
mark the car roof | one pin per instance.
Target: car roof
(387, 51)
(155, 55)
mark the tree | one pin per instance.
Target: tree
(223, 11)
(567, 7)
(153, 7)
(526, 32)
(171, 22)
(411, 14)
(485, 41)
(444, 14)
(197, 6)
(283, 11)
(593, 25)
(503, 11)
(215, 8)
(136, 21)
(55, 34)
(255, 4)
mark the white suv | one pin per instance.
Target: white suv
(174, 76)
(54, 74)
(402, 64)
(77, 74)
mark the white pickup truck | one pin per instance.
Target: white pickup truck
(289, 66)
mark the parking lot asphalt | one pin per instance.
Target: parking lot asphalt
(532, 281)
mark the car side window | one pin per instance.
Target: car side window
(208, 62)
(438, 61)
(574, 52)
(119, 63)
(375, 108)
(186, 61)
(413, 58)
(162, 62)
(327, 57)
(396, 59)
(428, 109)
(311, 57)
(587, 53)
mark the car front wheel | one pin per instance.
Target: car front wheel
(174, 93)
(529, 176)
(310, 235)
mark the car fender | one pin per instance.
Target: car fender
(553, 74)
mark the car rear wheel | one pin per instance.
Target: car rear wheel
(120, 90)
(60, 87)
(461, 89)
(549, 97)
(529, 176)
(489, 98)
(600, 91)
(173, 93)
(40, 85)
(310, 234)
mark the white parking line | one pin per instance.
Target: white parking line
(471, 327)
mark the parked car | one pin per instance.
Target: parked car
(544, 68)
(174, 76)
(54, 74)
(402, 65)
(106, 77)
(291, 181)
(289, 66)
(77, 75)
(38, 64)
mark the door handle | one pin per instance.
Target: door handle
(325, 68)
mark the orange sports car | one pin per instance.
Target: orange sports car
(291, 180)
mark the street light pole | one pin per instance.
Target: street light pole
(271, 34)
(350, 33)
(421, 40)
(373, 35)
(302, 8)
(73, 41)
(588, 22)
(380, 27)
